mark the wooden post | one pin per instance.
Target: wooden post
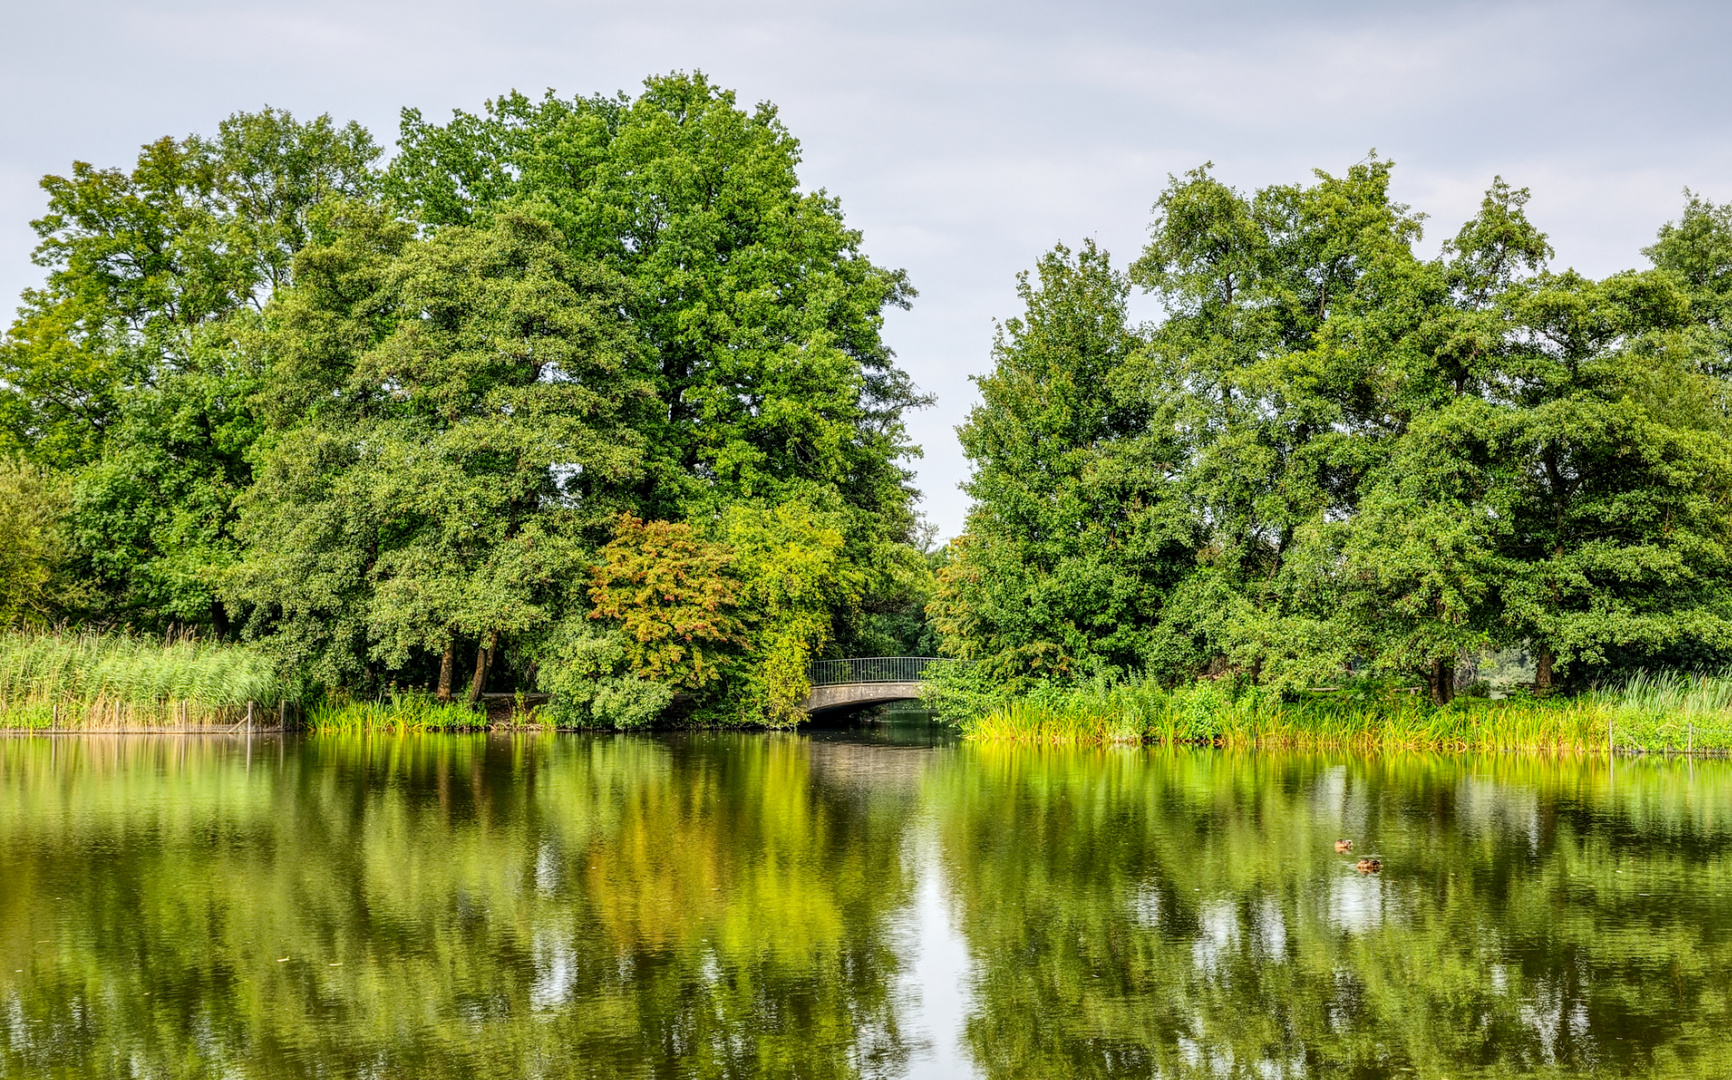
(249, 719)
(1609, 750)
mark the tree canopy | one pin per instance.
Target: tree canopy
(377, 417)
(1332, 451)
(593, 391)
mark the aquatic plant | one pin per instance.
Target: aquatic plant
(400, 711)
(1650, 712)
(119, 680)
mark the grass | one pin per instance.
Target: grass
(119, 681)
(1649, 713)
(402, 711)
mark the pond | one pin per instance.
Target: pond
(877, 903)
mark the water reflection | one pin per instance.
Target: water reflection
(839, 905)
(1171, 913)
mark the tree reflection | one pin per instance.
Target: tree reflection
(1169, 913)
(740, 905)
(447, 907)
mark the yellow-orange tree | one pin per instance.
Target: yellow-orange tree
(669, 592)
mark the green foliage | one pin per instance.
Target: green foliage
(668, 591)
(1697, 249)
(760, 318)
(434, 473)
(1073, 540)
(595, 683)
(33, 544)
(132, 362)
(794, 573)
(1332, 451)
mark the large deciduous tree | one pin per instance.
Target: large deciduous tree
(131, 366)
(1075, 536)
(1371, 457)
(451, 430)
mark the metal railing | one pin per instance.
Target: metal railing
(871, 669)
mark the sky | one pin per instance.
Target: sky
(963, 139)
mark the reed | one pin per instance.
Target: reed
(1648, 713)
(400, 712)
(116, 681)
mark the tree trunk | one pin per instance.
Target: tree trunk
(1543, 661)
(446, 663)
(1442, 682)
(483, 664)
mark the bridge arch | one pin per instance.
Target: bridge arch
(866, 680)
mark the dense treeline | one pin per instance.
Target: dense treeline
(579, 394)
(1335, 453)
(587, 396)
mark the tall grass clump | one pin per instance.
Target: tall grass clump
(1649, 712)
(401, 711)
(118, 680)
(1670, 710)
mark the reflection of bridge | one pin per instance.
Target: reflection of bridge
(869, 680)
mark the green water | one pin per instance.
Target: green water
(836, 905)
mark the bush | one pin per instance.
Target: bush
(588, 672)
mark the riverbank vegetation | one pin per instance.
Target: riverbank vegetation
(1336, 460)
(588, 398)
(1672, 713)
(120, 681)
(575, 395)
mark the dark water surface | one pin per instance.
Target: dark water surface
(837, 905)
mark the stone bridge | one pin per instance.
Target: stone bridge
(869, 680)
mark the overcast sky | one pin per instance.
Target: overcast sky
(963, 138)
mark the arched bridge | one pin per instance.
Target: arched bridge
(867, 680)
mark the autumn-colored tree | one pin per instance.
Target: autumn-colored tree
(667, 589)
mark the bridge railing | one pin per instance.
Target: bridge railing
(872, 669)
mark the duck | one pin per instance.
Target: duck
(1368, 866)
(1343, 845)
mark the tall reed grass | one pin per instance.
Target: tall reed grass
(1649, 712)
(117, 681)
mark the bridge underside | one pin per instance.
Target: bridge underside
(857, 695)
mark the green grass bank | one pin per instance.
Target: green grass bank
(1649, 713)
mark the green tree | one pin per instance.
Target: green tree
(1280, 410)
(129, 364)
(1421, 567)
(1619, 540)
(794, 570)
(33, 542)
(1698, 249)
(450, 428)
(1073, 540)
(760, 317)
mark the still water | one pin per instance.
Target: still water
(889, 904)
